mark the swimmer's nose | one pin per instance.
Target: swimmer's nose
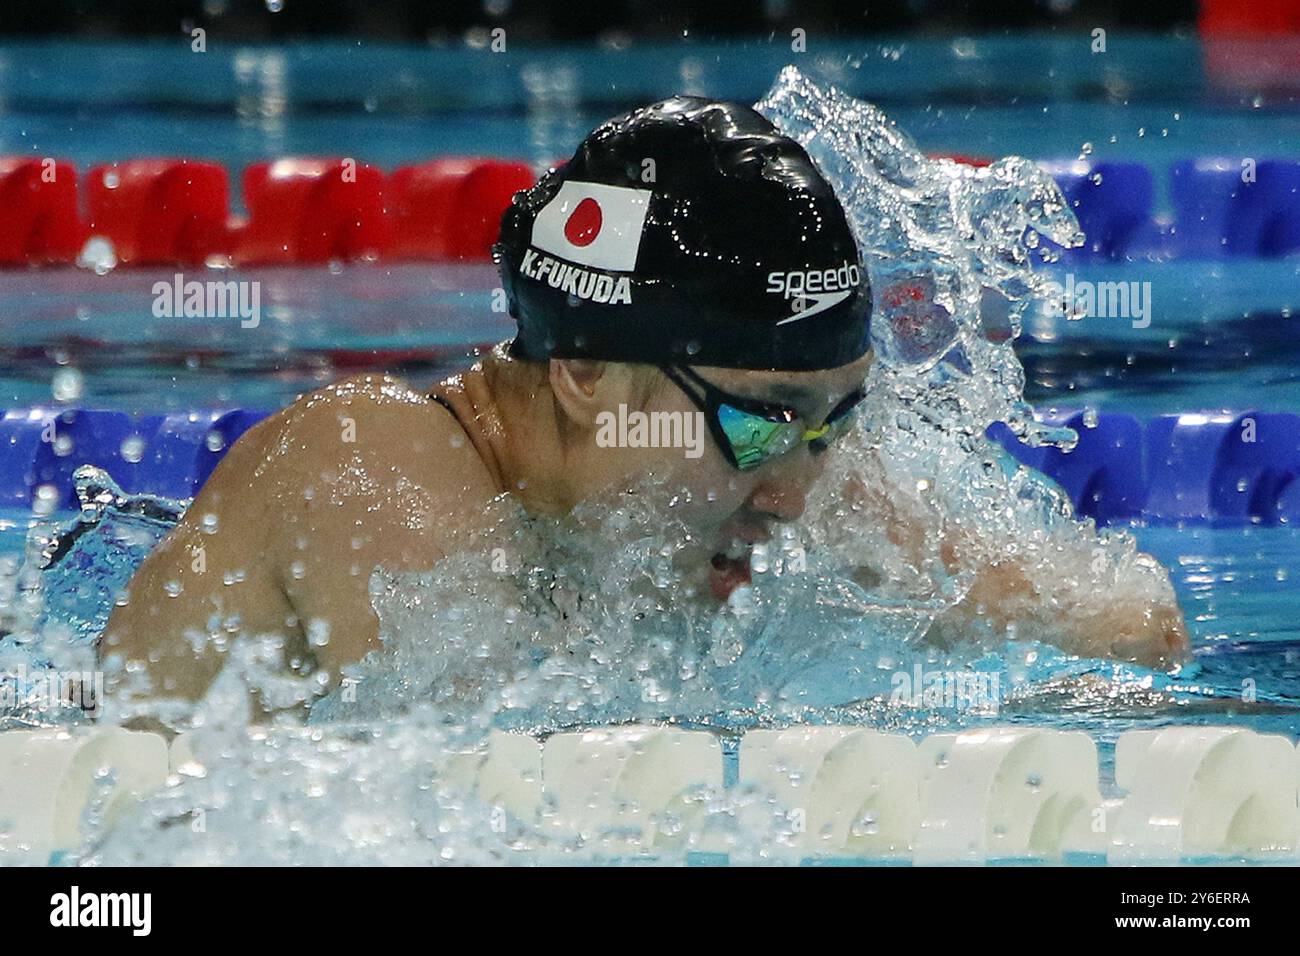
(783, 493)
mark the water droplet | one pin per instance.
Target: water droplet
(868, 825)
(46, 500)
(99, 255)
(132, 449)
(67, 385)
(318, 632)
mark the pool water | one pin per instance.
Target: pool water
(1222, 336)
(316, 325)
(1148, 98)
(1237, 586)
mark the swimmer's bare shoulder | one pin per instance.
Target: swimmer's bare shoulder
(285, 534)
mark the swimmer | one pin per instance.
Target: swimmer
(688, 260)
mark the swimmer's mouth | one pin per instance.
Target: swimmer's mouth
(728, 573)
(729, 569)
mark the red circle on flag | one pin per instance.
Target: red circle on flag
(584, 223)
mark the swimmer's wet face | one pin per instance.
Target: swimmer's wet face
(727, 509)
(734, 271)
(730, 509)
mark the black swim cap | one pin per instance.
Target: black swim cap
(686, 232)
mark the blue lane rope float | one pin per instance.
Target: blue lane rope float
(170, 455)
(1224, 468)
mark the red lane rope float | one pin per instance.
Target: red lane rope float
(451, 208)
(1257, 18)
(39, 221)
(160, 211)
(1252, 48)
(312, 211)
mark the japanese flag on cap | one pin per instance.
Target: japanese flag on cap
(593, 225)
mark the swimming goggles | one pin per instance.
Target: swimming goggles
(751, 432)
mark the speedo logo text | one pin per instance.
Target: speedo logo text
(814, 290)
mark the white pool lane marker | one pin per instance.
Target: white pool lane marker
(845, 791)
(995, 793)
(48, 778)
(1204, 791)
(1007, 793)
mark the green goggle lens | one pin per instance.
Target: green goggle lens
(755, 438)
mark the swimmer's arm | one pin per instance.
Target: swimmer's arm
(385, 480)
(1083, 621)
(306, 505)
(206, 581)
(1002, 594)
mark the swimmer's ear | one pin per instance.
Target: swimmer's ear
(585, 388)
